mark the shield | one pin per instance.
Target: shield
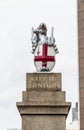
(44, 57)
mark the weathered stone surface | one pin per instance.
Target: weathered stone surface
(81, 62)
(81, 59)
(43, 96)
(43, 122)
(44, 108)
(47, 103)
(81, 53)
(82, 93)
(43, 103)
(43, 81)
(81, 73)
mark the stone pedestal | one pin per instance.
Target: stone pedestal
(43, 106)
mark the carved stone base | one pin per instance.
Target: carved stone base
(43, 107)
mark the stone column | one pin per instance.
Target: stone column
(43, 106)
(81, 60)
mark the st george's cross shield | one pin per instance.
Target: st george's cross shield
(44, 57)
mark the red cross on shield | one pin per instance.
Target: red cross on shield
(44, 57)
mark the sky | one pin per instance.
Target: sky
(17, 17)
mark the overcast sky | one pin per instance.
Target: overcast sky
(17, 17)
